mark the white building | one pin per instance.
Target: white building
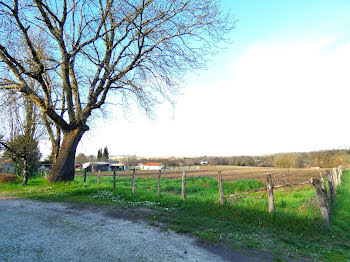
(151, 166)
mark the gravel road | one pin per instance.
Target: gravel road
(39, 231)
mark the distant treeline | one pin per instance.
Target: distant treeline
(326, 159)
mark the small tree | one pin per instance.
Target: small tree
(105, 155)
(99, 154)
(81, 158)
(24, 151)
(131, 160)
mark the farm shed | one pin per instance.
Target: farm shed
(96, 166)
(152, 166)
(46, 164)
(116, 165)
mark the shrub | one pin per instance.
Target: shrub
(5, 178)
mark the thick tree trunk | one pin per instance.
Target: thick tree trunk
(63, 168)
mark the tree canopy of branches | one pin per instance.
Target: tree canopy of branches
(84, 54)
(81, 158)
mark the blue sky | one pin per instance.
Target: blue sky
(282, 86)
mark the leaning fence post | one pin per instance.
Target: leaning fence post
(183, 189)
(269, 187)
(42, 172)
(221, 190)
(331, 186)
(322, 202)
(114, 179)
(84, 175)
(159, 175)
(45, 172)
(133, 182)
(98, 177)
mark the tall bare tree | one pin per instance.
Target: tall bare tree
(102, 51)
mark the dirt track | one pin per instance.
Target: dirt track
(39, 231)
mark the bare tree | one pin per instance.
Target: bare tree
(131, 160)
(97, 52)
(81, 158)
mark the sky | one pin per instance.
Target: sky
(283, 85)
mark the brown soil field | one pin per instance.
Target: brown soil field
(280, 176)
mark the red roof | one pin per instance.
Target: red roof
(153, 164)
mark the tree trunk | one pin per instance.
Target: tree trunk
(25, 173)
(63, 168)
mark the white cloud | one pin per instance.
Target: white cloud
(274, 98)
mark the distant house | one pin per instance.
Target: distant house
(152, 166)
(96, 166)
(46, 164)
(7, 166)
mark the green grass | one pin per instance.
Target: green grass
(296, 228)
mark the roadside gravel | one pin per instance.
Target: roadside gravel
(39, 231)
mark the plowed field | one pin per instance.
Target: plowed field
(231, 173)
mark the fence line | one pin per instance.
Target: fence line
(325, 188)
(324, 199)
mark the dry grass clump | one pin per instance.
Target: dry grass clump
(6, 178)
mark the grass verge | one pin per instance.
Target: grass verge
(296, 229)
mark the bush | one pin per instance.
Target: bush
(5, 178)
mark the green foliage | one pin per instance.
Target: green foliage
(99, 155)
(25, 146)
(105, 155)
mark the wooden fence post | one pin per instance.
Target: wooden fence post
(159, 175)
(323, 182)
(324, 188)
(183, 188)
(331, 186)
(322, 202)
(269, 186)
(45, 174)
(340, 173)
(98, 177)
(114, 179)
(335, 178)
(42, 173)
(85, 175)
(133, 182)
(221, 190)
